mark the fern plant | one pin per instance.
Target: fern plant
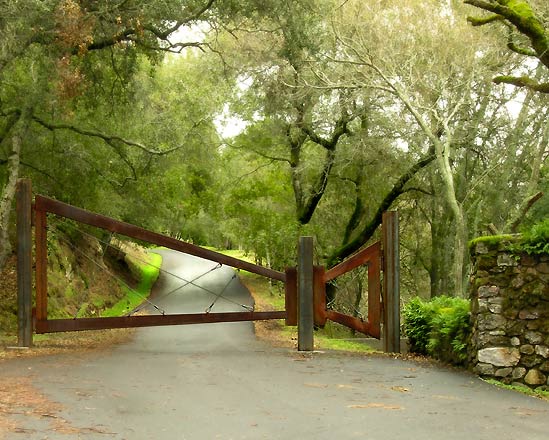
(439, 328)
(536, 239)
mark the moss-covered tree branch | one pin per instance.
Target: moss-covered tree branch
(521, 15)
(481, 21)
(523, 81)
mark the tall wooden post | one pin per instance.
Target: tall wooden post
(305, 336)
(391, 283)
(24, 262)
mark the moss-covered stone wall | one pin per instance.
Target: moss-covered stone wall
(510, 314)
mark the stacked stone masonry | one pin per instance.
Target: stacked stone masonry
(510, 315)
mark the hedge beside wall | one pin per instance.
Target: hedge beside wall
(510, 314)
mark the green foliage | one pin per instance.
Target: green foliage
(282, 70)
(536, 239)
(417, 318)
(438, 328)
(258, 215)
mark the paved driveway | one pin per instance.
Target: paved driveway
(218, 382)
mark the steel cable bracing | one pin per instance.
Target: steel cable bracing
(185, 281)
(211, 292)
(343, 284)
(165, 295)
(209, 308)
(108, 272)
(192, 282)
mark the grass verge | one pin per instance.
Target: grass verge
(148, 273)
(540, 394)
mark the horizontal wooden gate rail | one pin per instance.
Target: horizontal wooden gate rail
(44, 205)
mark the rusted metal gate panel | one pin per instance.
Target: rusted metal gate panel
(44, 205)
(290, 288)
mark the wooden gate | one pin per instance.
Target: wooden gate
(42, 324)
(383, 304)
(371, 256)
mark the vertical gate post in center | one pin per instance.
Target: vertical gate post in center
(391, 287)
(24, 262)
(305, 336)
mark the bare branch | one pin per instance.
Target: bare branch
(514, 224)
(249, 173)
(39, 170)
(512, 45)
(331, 143)
(199, 13)
(521, 15)
(107, 138)
(420, 190)
(260, 153)
(134, 35)
(369, 229)
(97, 170)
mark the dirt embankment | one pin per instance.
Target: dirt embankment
(8, 296)
(85, 277)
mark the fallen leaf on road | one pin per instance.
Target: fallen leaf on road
(316, 385)
(375, 405)
(400, 389)
(341, 385)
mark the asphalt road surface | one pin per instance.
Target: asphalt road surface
(216, 381)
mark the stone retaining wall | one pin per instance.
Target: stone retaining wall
(510, 315)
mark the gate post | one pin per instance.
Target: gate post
(305, 336)
(391, 285)
(24, 262)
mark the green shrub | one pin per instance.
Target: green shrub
(438, 328)
(536, 239)
(417, 325)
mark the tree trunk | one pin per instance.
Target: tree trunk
(6, 199)
(440, 235)
(449, 192)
